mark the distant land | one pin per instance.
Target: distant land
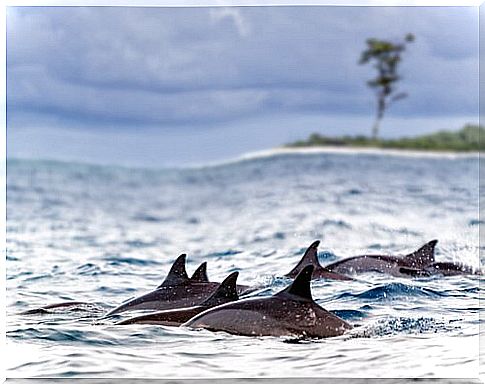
(466, 139)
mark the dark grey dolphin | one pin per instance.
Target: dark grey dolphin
(200, 274)
(176, 291)
(451, 269)
(176, 276)
(393, 265)
(291, 312)
(67, 305)
(311, 257)
(226, 292)
(443, 268)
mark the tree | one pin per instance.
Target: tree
(386, 56)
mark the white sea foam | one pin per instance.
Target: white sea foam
(350, 151)
(359, 151)
(105, 234)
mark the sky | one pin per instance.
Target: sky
(155, 86)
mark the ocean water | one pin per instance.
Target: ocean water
(103, 234)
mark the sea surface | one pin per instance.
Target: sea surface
(103, 234)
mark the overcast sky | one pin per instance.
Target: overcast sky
(158, 86)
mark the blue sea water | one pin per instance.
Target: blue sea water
(103, 234)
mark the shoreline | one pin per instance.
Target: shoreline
(264, 153)
(360, 150)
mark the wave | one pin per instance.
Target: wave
(312, 151)
(60, 335)
(402, 325)
(391, 291)
(359, 151)
(255, 155)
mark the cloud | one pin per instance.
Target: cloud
(168, 67)
(233, 14)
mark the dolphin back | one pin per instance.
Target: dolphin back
(171, 317)
(451, 269)
(200, 274)
(291, 312)
(171, 297)
(423, 257)
(226, 292)
(177, 274)
(310, 257)
(300, 287)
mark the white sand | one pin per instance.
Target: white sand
(358, 150)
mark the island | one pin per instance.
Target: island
(466, 139)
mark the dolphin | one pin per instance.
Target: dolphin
(226, 292)
(67, 305)
(311, 257)
(291, 312)
(451, 269)
(394, 265)
(200, 274)
(443, 268)
(176, 291)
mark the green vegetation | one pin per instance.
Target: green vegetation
(386, 57)
(466, 139)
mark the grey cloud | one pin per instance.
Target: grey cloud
(193, 66)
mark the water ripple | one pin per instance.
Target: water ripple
(103, 234)
(391, 291)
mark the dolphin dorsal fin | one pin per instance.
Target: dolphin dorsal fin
(301, 285)
(225, 293)
(309, 257)
(200, 274)
(423, 256)
(177, 274)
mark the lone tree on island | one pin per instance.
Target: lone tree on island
(386, 56)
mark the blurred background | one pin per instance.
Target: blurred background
(169, 86)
